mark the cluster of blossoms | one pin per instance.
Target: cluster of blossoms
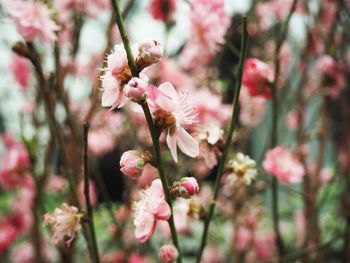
(64, 222)
(32, 20)
(241, 168)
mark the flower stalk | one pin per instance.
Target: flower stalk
(220, 171)
(151, 126)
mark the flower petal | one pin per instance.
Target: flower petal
(187, 144)
(171, 142)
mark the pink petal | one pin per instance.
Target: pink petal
(163, 211)
(171, 142)
(187, 144)
(144, 227)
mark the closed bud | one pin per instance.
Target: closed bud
(132, 164)
(150, 52)
(136, 89)
(185, 188)
(168, 253)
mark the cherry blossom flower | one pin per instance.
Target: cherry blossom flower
(136, 89)
(162, 9)
(281, 162)
(150, 208)
(168, 253)
(243, 237)
(132, 164)
(8, 234)
(32, 20)
(172, 113)
(209, 139)
(64, 222)
(150, 51)
(241, 168)
(257, 77)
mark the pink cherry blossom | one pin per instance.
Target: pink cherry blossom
(264, 246)
(32, 20)
(8, 234)
(173, 112)
(257, 77)
(162, 9)
(150, 208)
(283, 164)
(168, 253)
(185, 188)
(136, 89)
(150, 52)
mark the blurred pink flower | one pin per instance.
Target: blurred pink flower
(149, 173)
(150, 51)
(150, 207)
(32, 20)
(173, 113)
(294, 119)
(252, 109)
(168, 253)
(162, 9)
(283, 164)
(264, 246)
(14, 165)
(333, 78)
(243, 237)
(209, 23)
(8, 234)
(300, 226)
(211, 254)
(56, 183)
(64, 222)
(257, 77)
(21, 71)
(136, 89)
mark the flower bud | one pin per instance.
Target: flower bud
(131, 164)
(168, 253)
(150, 52)
(136, 89)
(185, 188)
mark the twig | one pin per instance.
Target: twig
(243, 54)
(87, 193)
(274, 138)
(151, 126)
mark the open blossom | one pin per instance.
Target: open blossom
(281, 162)
(64, 222)
(257, 77)
(173, 114)
(162, 9)
(209, 139)
(241, 168)
(185, 188)
(132, 164)
(150, 208)
(168, 253)
(32, 20)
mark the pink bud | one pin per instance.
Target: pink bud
(168, 253)
(150, 52)
(136, 89)
(131, 164)
(186, 188)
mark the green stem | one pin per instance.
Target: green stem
(125, 38)
(90, 214)
(151, 127)
(243, 54)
